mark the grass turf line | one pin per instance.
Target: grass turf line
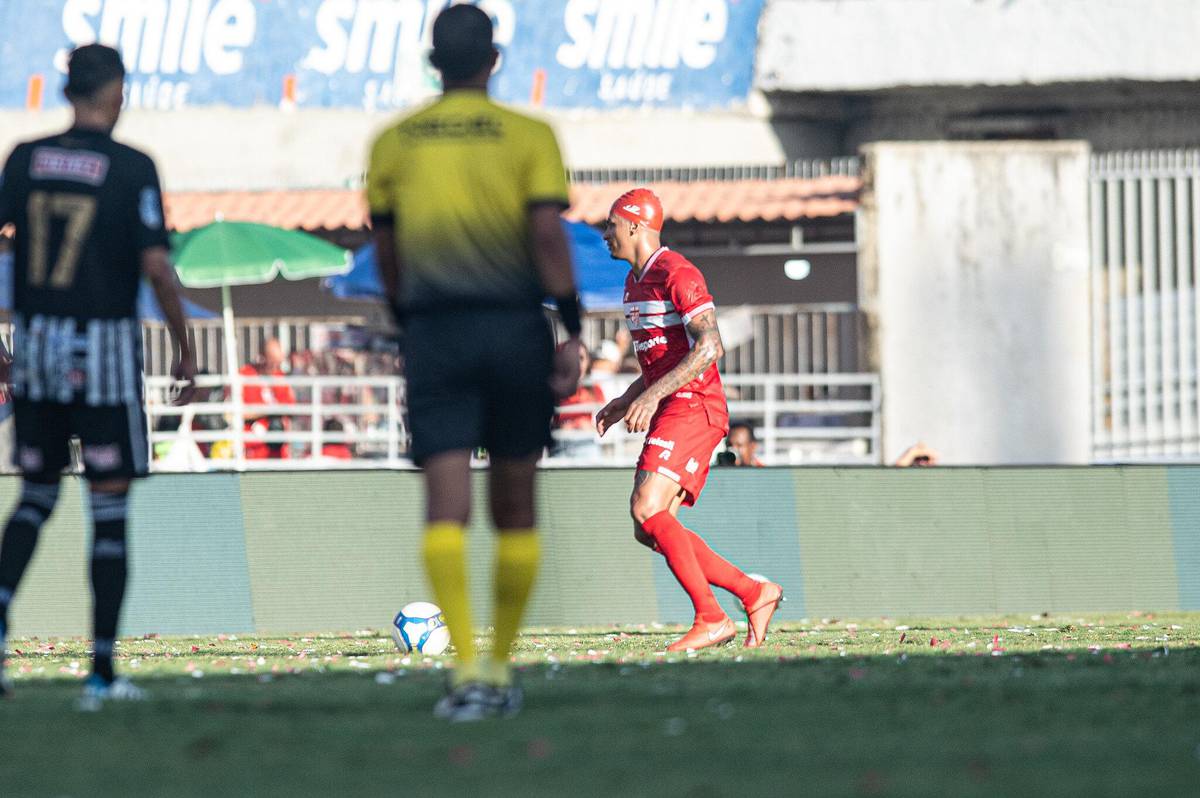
(1062, 705)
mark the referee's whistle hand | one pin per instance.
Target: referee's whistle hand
(565, 379)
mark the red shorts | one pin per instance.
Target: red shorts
(680, 444)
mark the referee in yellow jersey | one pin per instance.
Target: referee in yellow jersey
(465, 197)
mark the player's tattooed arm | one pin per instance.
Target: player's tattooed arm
(706, 350)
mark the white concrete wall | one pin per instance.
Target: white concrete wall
(266, 148)
(974, 284)
(1139, 124)
(836, 45)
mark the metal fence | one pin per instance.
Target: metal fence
(1145, 285)
(773, 339)
(208, 340)
(360, 422)
(806, 168)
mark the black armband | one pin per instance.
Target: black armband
(570, 312)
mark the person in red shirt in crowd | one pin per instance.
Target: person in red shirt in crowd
(269, 364)
(586, 395)
(339, 450)
(579, 448)
(679, 401)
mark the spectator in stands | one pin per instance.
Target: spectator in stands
(628, 359)
(742, 444)
(589, 395)
(269, 364)
(337, 449)
(918, 455)
(606, 363)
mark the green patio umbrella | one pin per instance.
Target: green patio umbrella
(226, 254)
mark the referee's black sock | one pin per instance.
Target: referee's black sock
(20, 538)
(108, 575)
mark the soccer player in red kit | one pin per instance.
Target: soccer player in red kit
(680, 403)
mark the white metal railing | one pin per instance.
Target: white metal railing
(798, 419)
(778, 339)
(847, 166)
(363, 414)
(785, 339)
(359, 422)
(1145, 286)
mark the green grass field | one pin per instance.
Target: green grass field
(1061, 705)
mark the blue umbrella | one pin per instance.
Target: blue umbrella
(147, 304)
(601, 279)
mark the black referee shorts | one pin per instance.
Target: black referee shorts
(112, 439)
(479, 378)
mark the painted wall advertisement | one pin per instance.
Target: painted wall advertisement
(371, 54)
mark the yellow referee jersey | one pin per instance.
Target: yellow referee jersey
(457, 178)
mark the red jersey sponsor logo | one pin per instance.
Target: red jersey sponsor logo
(649, 343)
(670, 289)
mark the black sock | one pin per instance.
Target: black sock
(108, 576)
(20, 538)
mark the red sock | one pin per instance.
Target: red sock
(675, 544)
(722, 573)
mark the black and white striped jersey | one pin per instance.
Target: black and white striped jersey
(84, 208)
(59, 359)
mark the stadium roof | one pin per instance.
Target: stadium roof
(788, 199)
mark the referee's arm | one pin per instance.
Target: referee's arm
(551, 254)
(383, 230)
(384, 154)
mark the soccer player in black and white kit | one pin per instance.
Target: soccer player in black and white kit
(89, 226)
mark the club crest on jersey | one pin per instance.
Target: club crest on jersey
(635, 316)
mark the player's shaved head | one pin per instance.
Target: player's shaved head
(90, 69)
(462, 42)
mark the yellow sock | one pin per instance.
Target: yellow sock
(445, 563)
(518, 553)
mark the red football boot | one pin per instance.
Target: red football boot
(758, 614)
(704, 634)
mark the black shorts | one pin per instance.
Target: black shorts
(112, 439)
(479, 378)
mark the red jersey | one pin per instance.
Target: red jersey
(670, 293)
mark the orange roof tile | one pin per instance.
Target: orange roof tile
(329, 209)
(788, 199)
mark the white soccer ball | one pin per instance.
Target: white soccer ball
(420, 627)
